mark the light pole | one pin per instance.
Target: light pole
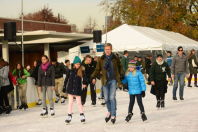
(106, 24)
(22, 31)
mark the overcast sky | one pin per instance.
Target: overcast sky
(76, 11)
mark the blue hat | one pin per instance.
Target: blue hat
(76, 60)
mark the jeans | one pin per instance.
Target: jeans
(132, 102)
(110, 96)
(179, 77)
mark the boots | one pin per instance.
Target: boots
(44, 112)
(158, 104)
(162, 104)
(189, 85)
(129, 116)
(82, 117)
(68, 119)
(144, 118)
(196, 84)
(8, 109)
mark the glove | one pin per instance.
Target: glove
(143, 94)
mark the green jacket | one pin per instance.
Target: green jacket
(125, 62)
(118, 70)
(159, 72)
(19, 79)
(193, 69)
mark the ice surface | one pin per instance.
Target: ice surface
(178, 116)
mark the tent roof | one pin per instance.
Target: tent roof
(136, 38)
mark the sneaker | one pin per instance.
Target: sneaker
(52, 112)
(144, 118)
(82, 117)
(44, 112)
(174, 98)
(128, 117)
(39, 102)
(158, 104)
(68, 119)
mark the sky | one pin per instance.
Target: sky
(76, 11)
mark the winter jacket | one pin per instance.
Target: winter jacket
(4, 79)
(193, 67)
(89, 69)
(125, 62)
(73, 83)
(59, 70)
(179, 65)
(21, 80)
(117, 67)
(46, 78)
(136, 82)
(159, 72)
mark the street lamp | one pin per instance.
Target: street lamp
(22, 31)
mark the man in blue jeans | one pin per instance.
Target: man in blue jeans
(180, 70)
(109, 66)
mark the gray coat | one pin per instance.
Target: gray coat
(46, 78)
(4, 79)
(179, 65)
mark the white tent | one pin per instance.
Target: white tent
(136, 38)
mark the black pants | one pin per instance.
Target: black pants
(93, 93)
(132, 102)
(190, 78)
(4, 97)
(160, 96)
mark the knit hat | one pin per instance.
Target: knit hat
(132, 63)
(159, 55)
(76, 60)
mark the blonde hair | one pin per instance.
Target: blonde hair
(128, 71)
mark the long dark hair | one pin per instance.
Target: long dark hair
(191, 53)
(19, 71)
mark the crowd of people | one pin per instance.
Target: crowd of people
(70, 81)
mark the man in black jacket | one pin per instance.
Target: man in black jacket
(59, 80)
(89, 66)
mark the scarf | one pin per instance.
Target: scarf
(160, 63)
(44, 67)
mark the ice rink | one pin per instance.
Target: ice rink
(178, 116)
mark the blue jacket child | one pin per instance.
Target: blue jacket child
(136, 82)
(136, 87)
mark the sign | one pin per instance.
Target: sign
(100, 48)
(85, 49)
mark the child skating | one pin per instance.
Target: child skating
(137, 88)
(74, 83)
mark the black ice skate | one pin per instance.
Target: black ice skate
(44, 112)
(68, 119)
(108, 118)
(129, 116)
(144, 118)
(113, 120)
